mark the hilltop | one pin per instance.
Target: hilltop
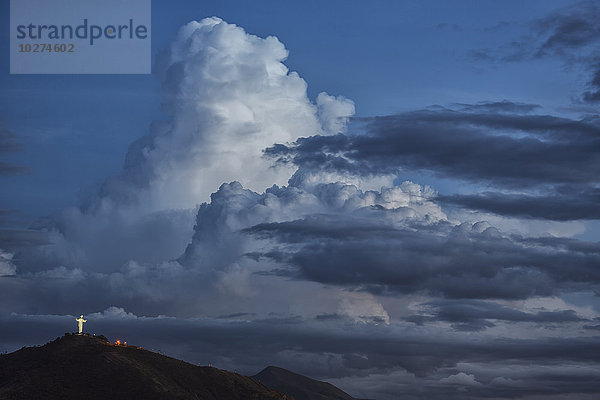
(91, 368)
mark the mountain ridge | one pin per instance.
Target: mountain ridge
(298, 386)
(82, 366)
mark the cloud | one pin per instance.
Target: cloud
(541, 165)
(502, 381)
(7, 268)
(230, 95)
(504, 106)
(563, 206)
(474, 315)
(569, 29)
(334, 112)
(593, 94)
(113, 313)
(363, 308)
(569, 33)
(509, 150)
(460, 379)
(219, 237)
(227, 95)
(464, 261)
(20, 238)
(290, 241)
(224, 260)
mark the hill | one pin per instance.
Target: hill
(299, 386)
(87, 367)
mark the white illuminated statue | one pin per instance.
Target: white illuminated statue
(80, 322)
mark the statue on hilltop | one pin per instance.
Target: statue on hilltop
(80, 322)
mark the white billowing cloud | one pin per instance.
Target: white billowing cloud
(334, 112)
(7, 268)
(364, 308)
(525, 227)
(218, 241)
(461, 379)
(412, 201)
(112, 312)
(557, 304)
(228, 96)
(502, 381)
(310, 178)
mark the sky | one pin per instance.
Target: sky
(401, 198)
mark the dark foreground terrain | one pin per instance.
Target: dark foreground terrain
(91, 368)
(87, 367)
(298, 386)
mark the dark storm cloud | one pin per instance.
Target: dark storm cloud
(503, 106)
(556, 206)
(456, 262)
(553, 160)
(509, 150)
(568, 29)
(333, 351)
(11, 239)
(569, 33)
(593, 95)
(566, 33)
(474, 315)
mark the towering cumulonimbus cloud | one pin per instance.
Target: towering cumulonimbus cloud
(229, 96)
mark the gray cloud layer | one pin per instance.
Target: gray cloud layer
(563, 205)
(553, 160)
(457, 262)
(510, 150)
